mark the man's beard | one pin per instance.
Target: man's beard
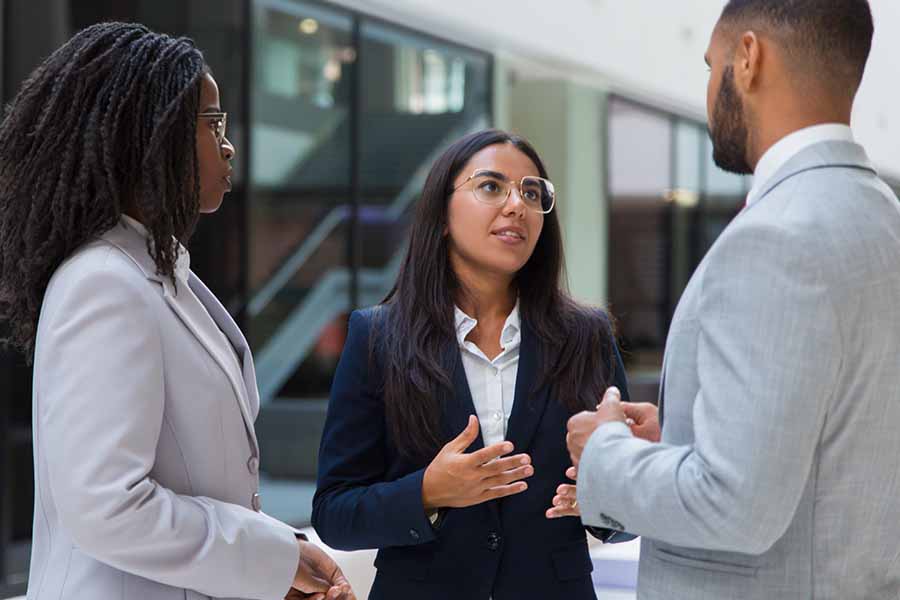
(728, 128)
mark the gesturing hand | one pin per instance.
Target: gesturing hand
(565, 502)
(644, 420)
(318, 577)
(455, 479)
(582, 425)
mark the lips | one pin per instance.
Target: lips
(510, 234)
(227, 181)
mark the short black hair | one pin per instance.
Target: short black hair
(827, 39)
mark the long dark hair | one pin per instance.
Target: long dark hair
(106, 123)
(414, 333)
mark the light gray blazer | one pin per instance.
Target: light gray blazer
(146, 461)
(778, 475)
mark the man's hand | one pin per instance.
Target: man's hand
(582, 425)
(643, 418)
(565, 502)
(318, 577)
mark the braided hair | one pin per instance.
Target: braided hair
(106, 124)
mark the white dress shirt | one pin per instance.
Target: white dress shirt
(788, 147)
(491, 382)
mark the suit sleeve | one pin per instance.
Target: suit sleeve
(768, 354)
(99, 379)
(354, 506)
(620, 380)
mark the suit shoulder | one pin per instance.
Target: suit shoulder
(99, 267)
(371, 318)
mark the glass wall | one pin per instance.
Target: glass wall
(668, 204)
(348, 114)
(335, 117)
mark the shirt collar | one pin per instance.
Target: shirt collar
(182, 263)
(465, 324)
(791, 145)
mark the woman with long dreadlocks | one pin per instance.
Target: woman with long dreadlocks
(144, 390)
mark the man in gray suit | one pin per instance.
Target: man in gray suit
(778, 473)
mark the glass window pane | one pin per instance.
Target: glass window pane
(418, 96)
(689, 140)
(300, 192)
(640, 151)
(640, 162)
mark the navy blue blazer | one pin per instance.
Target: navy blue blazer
(369, 496)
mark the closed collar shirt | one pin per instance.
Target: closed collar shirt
(491, 382)
(788, 147)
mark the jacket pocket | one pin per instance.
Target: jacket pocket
(731, 568)
(572, 561)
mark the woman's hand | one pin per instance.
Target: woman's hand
(565, 502)
(456, 480)
(318, 577)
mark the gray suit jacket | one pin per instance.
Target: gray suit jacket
(778, 475)
(146, 461)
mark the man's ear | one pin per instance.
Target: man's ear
(747, 61)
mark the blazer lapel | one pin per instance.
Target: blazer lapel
(460, 405)
(226, 323)
(529, 404)
(190, 311)
(662, 392)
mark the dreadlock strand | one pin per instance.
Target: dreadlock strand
(107, 122)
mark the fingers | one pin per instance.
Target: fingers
(644, 420)
(565, 503)
(508, 477)
(639, 411)
(566, 492)
(502, 465)
(572, 473)
(612, 395)
(339, 592)
(503, 491)
(466, 437)
(494, 451)
(574, 445)
(558, 512)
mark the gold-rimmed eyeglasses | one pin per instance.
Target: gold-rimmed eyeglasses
(218, 121)
(494, 189)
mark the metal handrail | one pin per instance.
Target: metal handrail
(277, 360)
(338, 215)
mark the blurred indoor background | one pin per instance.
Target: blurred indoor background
(338, 109)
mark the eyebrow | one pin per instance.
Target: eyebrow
(494, 174)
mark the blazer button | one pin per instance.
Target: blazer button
(493, 542)
(414, 534)
(253, 465)
(256, 502)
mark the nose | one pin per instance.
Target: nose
(228, 150)
(515, 205)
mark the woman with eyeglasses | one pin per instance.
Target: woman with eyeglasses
(146, 461)
(445, 441)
